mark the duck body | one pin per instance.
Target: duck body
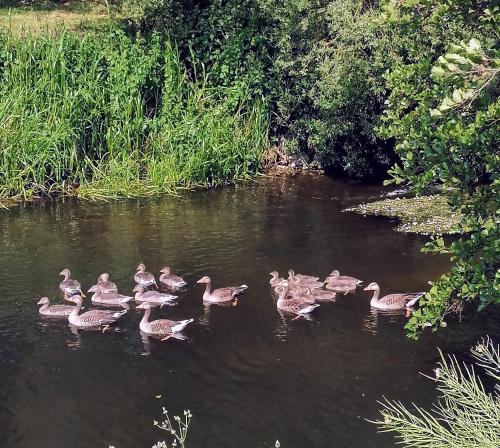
(221, 294)
(399, 301)
(292, 305)
(69, 286)
(159, 298)
(171, 280)
(160, 327)
(108, 298)
(144, 278)
(92, 319)
(303, 281)
(320, 295)
(54, 310)
(335, 276)
(105, 285)
(340, 287)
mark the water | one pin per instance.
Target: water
(249, 375)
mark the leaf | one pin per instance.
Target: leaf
(436, 113)
(437, 71)
(474, 44)
(457, 96)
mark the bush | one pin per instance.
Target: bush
(443, 112)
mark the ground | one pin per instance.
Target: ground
(36, 16)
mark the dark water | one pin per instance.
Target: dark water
(249, 375)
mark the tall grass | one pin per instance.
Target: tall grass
(108, 116)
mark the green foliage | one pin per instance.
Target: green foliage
(117, 117)
(466, 415)
(443, 114)
(314, 61)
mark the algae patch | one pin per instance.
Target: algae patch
(428, 215)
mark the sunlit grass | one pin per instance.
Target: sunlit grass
(103, 116)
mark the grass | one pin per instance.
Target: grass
(36, 17)
(429, 215)
(104, 116)
(466, 415)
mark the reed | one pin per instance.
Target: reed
(105, 116)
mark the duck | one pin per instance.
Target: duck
(108, 298)
(221, 294)
(70, 286)
(105, 285)
(304, 281)
(92, 319)
(320, 295)
(158, 298)
(292, 305)
(302, 277)
(144, 278)
(335, 276)
(171, 280)
(340, 287)
(160, 327)
(399, 301)
(54, 310)
(276, 279)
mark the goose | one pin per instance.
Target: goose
(171, 280)
(144, 278)
(276, 279)
(159, 298)
(221, 294)
(340, 288)
(105, 285)
(335, 276)
(292, 305)
(298, 282)
(70, 286)
(398, 301)
(92, 319)
(301, 277)
(54, 310)
(320, 295)
(108, 298)
(160, 327)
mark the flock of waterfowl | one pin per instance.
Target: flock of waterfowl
(298, 295)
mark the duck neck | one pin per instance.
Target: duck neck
(376, 293)
(282, 295)
(67, 275)
(45, 307)
(77, 308)
(145, 317)
(208, 288)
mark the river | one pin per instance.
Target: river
(249, 375)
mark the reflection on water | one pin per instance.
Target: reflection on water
(249, 374)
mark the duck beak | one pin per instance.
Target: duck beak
(367, 289)
(39, 302)
(200, 280)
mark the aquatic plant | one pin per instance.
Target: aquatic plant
(466, 415)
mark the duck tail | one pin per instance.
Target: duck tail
(416, 299)
(243, 286)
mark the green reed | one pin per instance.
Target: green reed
(109, 116)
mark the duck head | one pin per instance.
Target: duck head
(166, 270)
(43, 301)
(104, 277)
(372, 287)
(94, 288)
(144, 306)
(141, 267)
(138, 288)
(205, 279)
(65, 272)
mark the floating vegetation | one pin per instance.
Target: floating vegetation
(428, 215)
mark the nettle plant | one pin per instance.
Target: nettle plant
(443, 114)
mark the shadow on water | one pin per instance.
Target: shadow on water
(249, 374)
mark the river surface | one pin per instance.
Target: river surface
(249, 375)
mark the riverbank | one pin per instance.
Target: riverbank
(427, 215)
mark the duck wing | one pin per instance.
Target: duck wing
(229, 292)
(401, 299)
(96, 318)
(162, 326)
